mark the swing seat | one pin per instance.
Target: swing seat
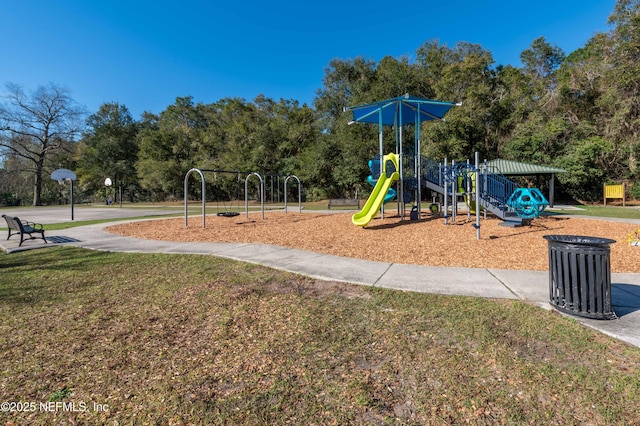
(228, 214)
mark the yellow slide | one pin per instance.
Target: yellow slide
(371, 207)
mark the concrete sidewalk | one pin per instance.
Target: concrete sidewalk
(531, 286)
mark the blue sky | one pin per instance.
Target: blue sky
(144, 53)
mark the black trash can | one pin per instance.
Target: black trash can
(580, 275)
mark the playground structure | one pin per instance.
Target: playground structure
(480, 184)
(398, 112)
(248, 175)
(496, 193)
(484, 186)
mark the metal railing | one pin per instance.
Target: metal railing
(496, 189)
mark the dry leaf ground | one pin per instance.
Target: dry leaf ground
(425, 242)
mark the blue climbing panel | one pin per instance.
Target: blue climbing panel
(527, 202)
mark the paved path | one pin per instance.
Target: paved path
(532, 286)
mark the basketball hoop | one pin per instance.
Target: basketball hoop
(63, 175)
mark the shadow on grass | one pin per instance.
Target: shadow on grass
(25, 276)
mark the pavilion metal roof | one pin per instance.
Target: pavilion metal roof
(509, 167)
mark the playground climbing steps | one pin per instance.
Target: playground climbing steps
(496, 192)
(494, 197)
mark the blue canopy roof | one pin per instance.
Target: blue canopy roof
(397, 112)
(401, 110)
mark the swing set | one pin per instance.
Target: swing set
(228, 212)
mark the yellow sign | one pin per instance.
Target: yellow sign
(614, 191)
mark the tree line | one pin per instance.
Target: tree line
(579, 112)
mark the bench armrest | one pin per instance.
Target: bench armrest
(36, 226)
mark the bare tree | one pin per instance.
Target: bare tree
(34, 126)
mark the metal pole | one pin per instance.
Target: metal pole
(417, 165)
(401, 163)
(551, 190)
(467, 190)
(246, 193)
(71, 180)
(445, 185)
(477, 226)
(299, 193)
(454, 190)
(186, 211)
(381, 153)
(485, 182)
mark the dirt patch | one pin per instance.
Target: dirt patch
(425, 242)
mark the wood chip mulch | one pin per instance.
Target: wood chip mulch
(425, 242)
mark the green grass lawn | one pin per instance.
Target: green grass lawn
(187, 339)
(631, 212)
